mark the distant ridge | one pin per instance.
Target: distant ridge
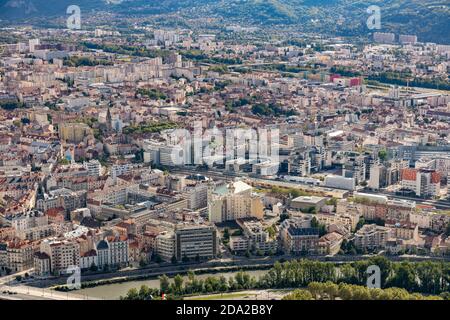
(430, 20)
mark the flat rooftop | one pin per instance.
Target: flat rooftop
(309, 199)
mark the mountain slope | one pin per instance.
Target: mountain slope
(20, 9)
(430, 19)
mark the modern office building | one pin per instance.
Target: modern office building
(195, 242)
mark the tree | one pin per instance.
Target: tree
(382, 154)
(139, 155)
(64, 161)
(145, 293)
(397, 294)
(284, 216)
(272, 231)
(242, 280)
(385, 267)
(445, 295)
(192, 284)
(226, 234)
(232, 285)
(142, 263)
(164, 283)
(322, 228)
(93, 267)
(157, 258)
(332, 202)
(331, 289)
(174, 260)
(360, 223)
(361, 293)
(447, 231)
(132, 294)
(376, 294)
(315, 289)
(223, 285)
(314, 223)
(299, 294)
(404, 277)
(348, 273)
(237, 233)
(345, 291)
(178, 284)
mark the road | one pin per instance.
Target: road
(439, 204)
(10, 290)
(30, 293)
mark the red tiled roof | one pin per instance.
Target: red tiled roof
(409, 174)
(91, 253)
(435, 177)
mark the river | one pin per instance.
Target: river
(114, 291)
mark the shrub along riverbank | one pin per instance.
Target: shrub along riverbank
(343, 291)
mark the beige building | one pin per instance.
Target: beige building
(237, 203)
(257, 237)
(330, 244)
(74, 132)
(297, 236)
(41, 264)
(348, 220)
(308, 202)
(406, 231)
(63, 254)
(165, 245)
(20, 256)
(113, 251)
(372, 236)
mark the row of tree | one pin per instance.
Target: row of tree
(423, 277)
(343, 291)
(405, 79)
(148, 127)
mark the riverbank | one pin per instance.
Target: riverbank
(244, 295)
(155, 275)
(211, 267)
(116, 290)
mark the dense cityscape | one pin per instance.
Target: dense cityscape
(279, 159)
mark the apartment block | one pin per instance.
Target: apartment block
(195, 242)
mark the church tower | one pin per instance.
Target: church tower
(109, 120)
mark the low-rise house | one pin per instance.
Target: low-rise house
(330, 244)
(372, 236)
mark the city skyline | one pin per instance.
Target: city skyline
(146, 147)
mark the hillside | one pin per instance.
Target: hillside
(430, 19)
